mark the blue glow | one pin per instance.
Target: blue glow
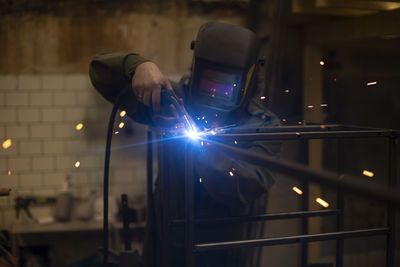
(193, 134)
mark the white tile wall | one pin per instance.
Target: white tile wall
(17, 99)
(29, 82)
(41, 99)
(41, 130)
(8, 82)
(39, 114)
(52, 114)
(17, 132)
(27, 115)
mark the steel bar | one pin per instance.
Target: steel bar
(340, 217)
(189, 207)
(262, 217)
(289, 240)
(310, 128)
(299, 171)
(163, 175)
(149, 167)
(340, 227)
(301, 133)
(304, 224)
(391, 217)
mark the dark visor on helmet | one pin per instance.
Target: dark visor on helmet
(217, 86)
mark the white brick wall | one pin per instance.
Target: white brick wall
(65, 98)
(41, 99)
(29, 82)
(41, 130)
(8, 181)
(30, 147)
(14, 131)
(19, 164)
(53, 82)
(8, 115)
(28, 115)
(77, 81)
(17, 99)
(31, 180)
(54, 147)
(39, 114)
(2, 100)
(8, 82)
(65, 130)
(52, 115)
(43, 163)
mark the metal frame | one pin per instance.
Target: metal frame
(391, 195)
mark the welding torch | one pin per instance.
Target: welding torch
(169, 96)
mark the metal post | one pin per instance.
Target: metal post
(304, 225)
(189, 207)
(391, 218)
(149, 166)
(339, 227)
(275, 241)
(340, 217)
(163, 175)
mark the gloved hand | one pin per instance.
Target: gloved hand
(147, 83)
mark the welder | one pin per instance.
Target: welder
(222, 91)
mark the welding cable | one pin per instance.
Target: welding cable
(106, 183)
(106, 177)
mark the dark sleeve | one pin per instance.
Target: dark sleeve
(233, 181)
(111, 75)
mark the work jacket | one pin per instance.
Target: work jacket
(224, 186)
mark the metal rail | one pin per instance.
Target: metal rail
(262, 217)
(300, 171)
(342, 182)
(288, 240)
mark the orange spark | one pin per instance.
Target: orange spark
(322, 202)
(368, 173)
(7, 143)
(297, 190)
(79, 126)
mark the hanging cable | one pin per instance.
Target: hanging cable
(106, 182)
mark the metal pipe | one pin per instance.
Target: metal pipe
(391, 211)
(304, 224)
(149, 167)
(299, 171)
(288, 240)
(189, 207)
(297, 135)
(340, 217)
(262, 217)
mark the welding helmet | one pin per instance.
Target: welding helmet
(224, 68)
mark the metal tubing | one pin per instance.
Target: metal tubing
(340, 216)
(289, 240)
(262, 217)
(391, 217)
(149, 167)
(304, 224)
(340, 227)
(302, 132)
(189, 207)
(299, 171)
(163, 174)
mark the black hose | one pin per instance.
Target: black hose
(106, 182)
